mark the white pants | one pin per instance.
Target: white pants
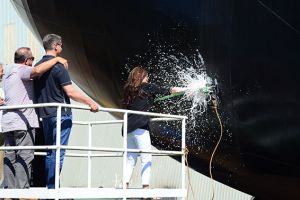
(139, 139)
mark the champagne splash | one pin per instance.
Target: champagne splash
(197, 91)
(187, 72)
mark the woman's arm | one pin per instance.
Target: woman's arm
(177, 89)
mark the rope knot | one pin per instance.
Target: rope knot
(186, 151)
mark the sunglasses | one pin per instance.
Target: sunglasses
(31, 58)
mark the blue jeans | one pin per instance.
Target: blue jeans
(49, 129)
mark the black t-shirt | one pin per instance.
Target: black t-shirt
(144, 103)
(49, 88)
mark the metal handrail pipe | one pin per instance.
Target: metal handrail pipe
(81, 148)
(94, 155)
(121, 121)
(4, 148)
(88, 108)
(97, 122)
(121, 150)
(164, 119)
(83, 154)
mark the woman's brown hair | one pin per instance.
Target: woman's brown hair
(133, 85)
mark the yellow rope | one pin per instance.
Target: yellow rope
(186, 151)
(211, 158)
(212, 155)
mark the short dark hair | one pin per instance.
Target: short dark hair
(51, 39)
(21, 54)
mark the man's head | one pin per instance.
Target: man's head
(52, 43)
(23, 55)
(1, 71)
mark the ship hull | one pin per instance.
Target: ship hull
(251, 48)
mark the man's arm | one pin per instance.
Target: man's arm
(76, 96)
(45, 66)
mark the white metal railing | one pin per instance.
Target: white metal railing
(59, 193)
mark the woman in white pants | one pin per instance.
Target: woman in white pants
(139, 95)
(139, 139)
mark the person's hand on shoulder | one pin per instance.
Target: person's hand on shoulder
(62, 61)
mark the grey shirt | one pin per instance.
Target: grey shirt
(19, 90)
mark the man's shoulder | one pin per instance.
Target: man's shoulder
(18, 68)
(59, 68)
(56, 69)
(44, 59)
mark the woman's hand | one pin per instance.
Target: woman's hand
(177, 89)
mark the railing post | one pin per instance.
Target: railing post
(57, 153)
(124, 154)
(89, 156)
(183, 156)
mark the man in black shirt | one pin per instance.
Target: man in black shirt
(55, 86)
